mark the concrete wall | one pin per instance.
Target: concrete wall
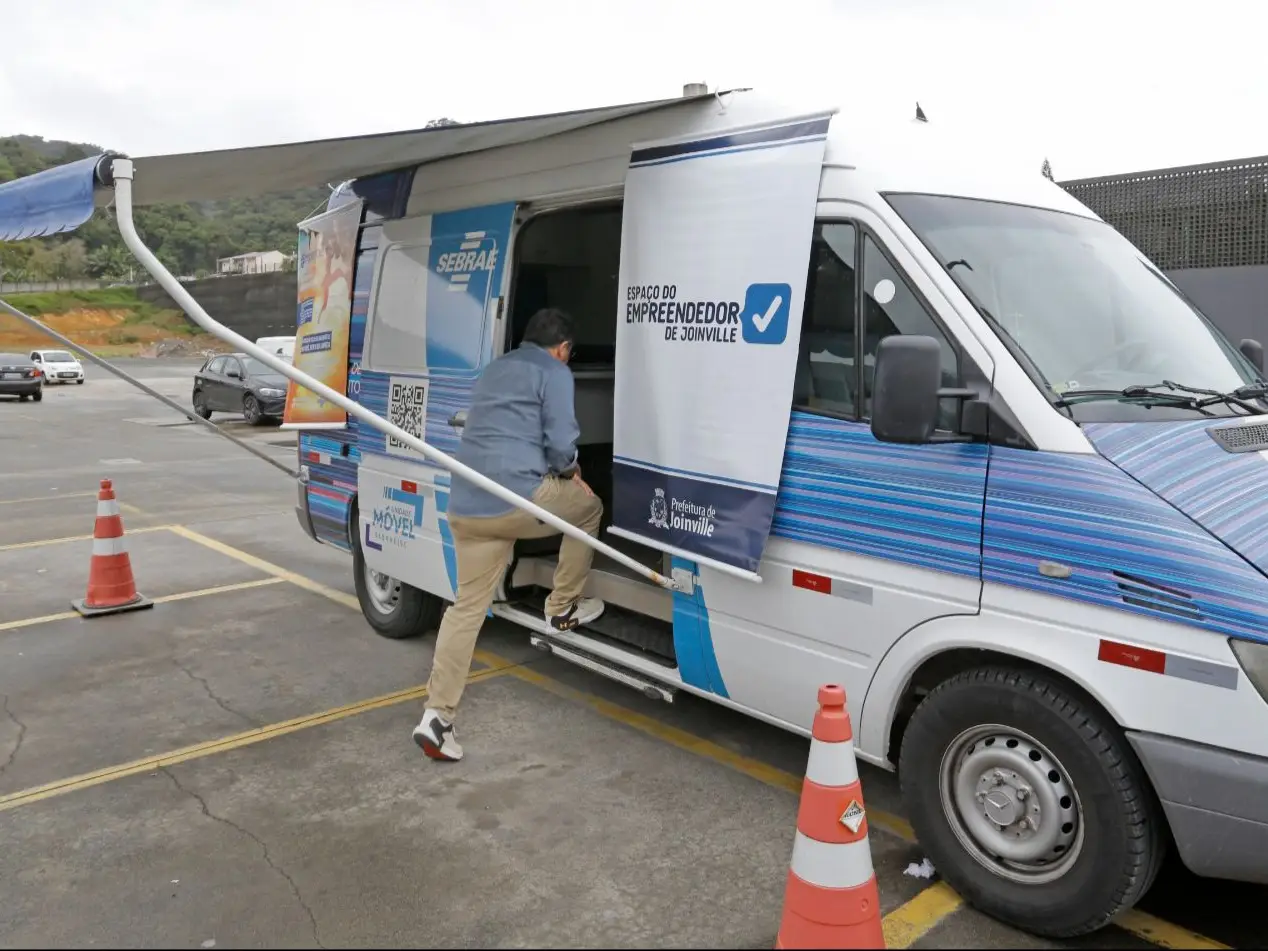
(254, 305)
(1234, 298)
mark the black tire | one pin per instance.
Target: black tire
(1123, 838)
(251, 410)
(22, 397)
(414, 613)
(80, 381)
(200, 405)
(38, 394)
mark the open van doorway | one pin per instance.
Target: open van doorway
(571, 259)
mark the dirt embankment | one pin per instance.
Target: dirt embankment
(110, 332)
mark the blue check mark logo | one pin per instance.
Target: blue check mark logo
(765, 315)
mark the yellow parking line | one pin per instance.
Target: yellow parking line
(920, 912)
(183, 596)
(911, 921)
(763, 772)
(48, 498)
(1163, 933)
(61, 787)
(267, 567)
(39, 543)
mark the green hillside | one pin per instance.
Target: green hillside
(188, 238)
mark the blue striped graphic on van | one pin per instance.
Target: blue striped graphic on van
(1125, 547)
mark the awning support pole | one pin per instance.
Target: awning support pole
(123, 173)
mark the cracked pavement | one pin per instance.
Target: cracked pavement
(17, 743)
(264, 847)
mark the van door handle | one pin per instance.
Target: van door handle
(459, 419)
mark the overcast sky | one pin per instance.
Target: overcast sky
(1098, 87)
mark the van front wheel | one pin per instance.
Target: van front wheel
(1029, 802)
(394, 609)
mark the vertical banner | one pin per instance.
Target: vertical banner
(715, 248)
(327, 253)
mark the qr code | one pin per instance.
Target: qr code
(407, 408)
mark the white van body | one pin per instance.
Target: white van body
(282, 346)
(1054, 566)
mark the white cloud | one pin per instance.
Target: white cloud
(1118, 85)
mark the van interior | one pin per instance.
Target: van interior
(571, 259)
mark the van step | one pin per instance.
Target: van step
(615, 584)
(651, 637)
(606, 668)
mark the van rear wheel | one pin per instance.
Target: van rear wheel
(1030, 802)
(393, 608)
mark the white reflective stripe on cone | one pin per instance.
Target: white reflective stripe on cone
(831, 864)
(107, 507)
(108, 546)
(832, 764)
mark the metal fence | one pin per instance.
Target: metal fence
(1213, 215)
(26, 287)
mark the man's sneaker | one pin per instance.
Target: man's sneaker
(436, 738)
(582, 611)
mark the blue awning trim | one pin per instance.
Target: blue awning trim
(49, 202)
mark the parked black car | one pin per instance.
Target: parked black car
(20, 377)
(237, 383)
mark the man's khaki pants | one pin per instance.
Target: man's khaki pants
(483, 547)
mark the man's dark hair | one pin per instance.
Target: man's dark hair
(549, 327)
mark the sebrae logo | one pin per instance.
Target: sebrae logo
(478, 251)
(682, 515)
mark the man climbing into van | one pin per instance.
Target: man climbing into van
(521, 432)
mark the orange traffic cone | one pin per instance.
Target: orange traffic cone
(831, 899)
(111, 588)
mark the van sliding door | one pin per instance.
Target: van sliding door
(429, 334)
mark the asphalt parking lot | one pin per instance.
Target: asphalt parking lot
(234, 768)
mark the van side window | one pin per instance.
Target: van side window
(891, 306)
(826, 377)
(398, 340)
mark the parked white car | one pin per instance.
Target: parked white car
(58, 366)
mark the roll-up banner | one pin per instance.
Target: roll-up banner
(327, 254)
(715, 247)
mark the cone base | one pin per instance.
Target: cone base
(88, 610)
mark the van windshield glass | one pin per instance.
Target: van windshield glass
(1086, 309)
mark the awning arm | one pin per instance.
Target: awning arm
(123, 173)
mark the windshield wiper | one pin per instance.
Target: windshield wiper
(1239, 397)
(1135, 392)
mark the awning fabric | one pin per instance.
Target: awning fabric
(50, 202)
(60, 199)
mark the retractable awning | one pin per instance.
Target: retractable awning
(61, 199)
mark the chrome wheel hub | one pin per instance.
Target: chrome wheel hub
(384, 590)
(1011, 804)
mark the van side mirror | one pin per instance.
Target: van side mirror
(905, 389)
(1253, 351)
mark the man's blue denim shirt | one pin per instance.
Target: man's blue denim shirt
(522, 424)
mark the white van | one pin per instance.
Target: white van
(281, 346)
(894, 416)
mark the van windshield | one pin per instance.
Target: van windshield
(1087, 311)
